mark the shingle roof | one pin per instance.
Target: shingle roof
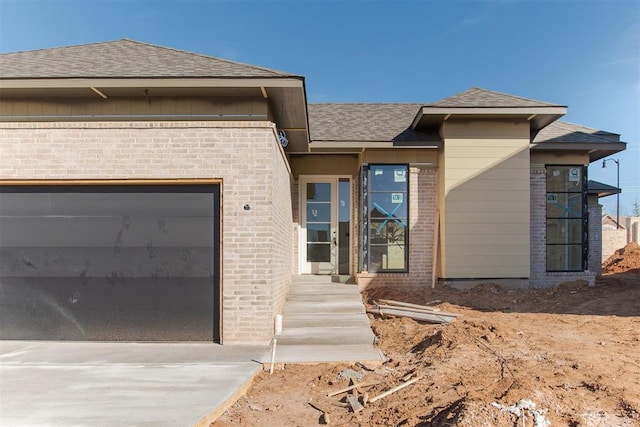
(478, 97)
(365, 122)
(122, 59)
(568, 132)
(601, 189)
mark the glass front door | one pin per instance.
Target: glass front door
(325, 220)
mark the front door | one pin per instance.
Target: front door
(325, 220)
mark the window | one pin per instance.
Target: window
(385, 233)
(567, 240)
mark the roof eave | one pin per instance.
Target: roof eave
(136, 82)
(540, 117)
(596, 151)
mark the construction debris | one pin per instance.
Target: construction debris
(351, 374)
(414, 311)
(520, 409)
(352, 387)
(393, 390)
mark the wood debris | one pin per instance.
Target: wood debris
(396, 388)
(353, 402)
(352, 387)
(414, 311)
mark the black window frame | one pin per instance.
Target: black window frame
(583, 218)
(366, 220)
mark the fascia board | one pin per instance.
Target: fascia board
(149, 82)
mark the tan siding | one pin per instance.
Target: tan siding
(346, 164)
(400, 156)
(168, 106)
(559, 158)
(486, 200)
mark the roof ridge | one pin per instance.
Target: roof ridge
(282, 73)
(494, 92)
(62, 47)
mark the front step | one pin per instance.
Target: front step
(320, 311)
(330, 320)
(326, 336)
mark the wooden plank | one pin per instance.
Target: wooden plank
(393, 390)
(418, 310)
(353, 402)
(354, 386)
(432, 318)
(406, 304)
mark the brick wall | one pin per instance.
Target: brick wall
(595, 235)
(245, 155)
(423, 196)
(539, 277)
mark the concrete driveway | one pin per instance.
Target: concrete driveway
(120, 384)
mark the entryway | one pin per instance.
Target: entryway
(325, 218)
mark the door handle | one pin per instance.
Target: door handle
(333, 238)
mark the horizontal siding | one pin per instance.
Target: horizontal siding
(121, 106)
(401, 156)
(487, 207)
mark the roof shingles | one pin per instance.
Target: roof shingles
(478, 97)
(122, 59)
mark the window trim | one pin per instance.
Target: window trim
(584, 219)
(366, 220)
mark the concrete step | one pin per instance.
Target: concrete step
(321, 320)
(325, 353)
(326, 336)
(314, 307)
(322, 297)
(321, 289)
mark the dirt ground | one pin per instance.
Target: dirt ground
(572, 351)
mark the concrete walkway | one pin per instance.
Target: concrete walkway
(120, 384)
(325, 321)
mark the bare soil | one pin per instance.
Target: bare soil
(572, 350)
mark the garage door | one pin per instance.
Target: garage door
(109, 262)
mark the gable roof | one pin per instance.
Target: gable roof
(365, 122)
(478, 97)
(122, 59)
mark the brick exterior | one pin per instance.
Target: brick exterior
(595, 235)
(423, 200)
(256, 248)
(539, 277)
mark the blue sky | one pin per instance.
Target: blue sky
(584, 54)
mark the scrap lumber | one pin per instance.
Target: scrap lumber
(418, 310)
(393, 390)
(353, 402)
(425, 317)
(422, 313)
(351, 387)
(318, 406)
(406, 304)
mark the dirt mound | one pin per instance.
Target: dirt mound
(623, 260)
(570, 350)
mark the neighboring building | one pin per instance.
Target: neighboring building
(616, 236)
(154, 194)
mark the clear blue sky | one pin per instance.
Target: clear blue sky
(584, 54)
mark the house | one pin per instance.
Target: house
(149, 193)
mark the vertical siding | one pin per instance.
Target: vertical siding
(486, 200)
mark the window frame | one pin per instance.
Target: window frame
(583, 218)
(366, 220)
